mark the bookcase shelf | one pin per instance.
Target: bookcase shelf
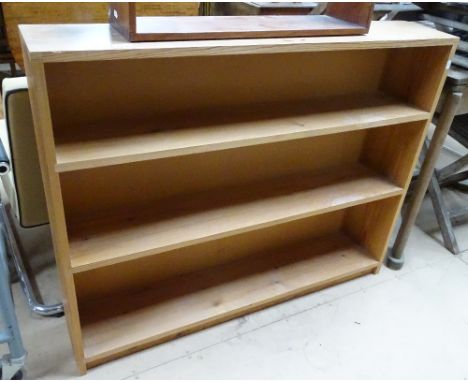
(211, 215)
(189, 183)
(119, 323)
(195, 132)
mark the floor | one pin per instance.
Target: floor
(407, 324)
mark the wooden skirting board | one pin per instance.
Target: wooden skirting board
(191, 182)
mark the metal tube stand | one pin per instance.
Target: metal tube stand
(33, 303)
(12, 363)
(395, 259)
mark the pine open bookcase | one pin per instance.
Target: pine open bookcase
(189, 183)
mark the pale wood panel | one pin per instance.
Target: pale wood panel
(63, 43)
(134, 91)
(45, 144)
(214, 27)
(353, 18)
(16, 14)
(140, 184)
(141, 273)
(70, 12)
(393, 150)
(116, 326)
(415, 74)
(199, 218)
(196, 132)
(167, 9)
(371, 225)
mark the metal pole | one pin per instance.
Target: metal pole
(395, 256)
(14, 361)
(41, 309)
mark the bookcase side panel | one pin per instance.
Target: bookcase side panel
(46, 150)
(394, 150)
(416, 74)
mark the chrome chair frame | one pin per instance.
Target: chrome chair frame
(23, 275)
(13, 362)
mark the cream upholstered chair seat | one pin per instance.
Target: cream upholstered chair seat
(23, 184)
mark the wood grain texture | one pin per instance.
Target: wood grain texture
(371, 225)
(415, 74)
(45, 142)
(390, 150)
(148, 183)
(344, 19)
(358, 13)
(153, 230)
(16, 14)
(232, 27)
(185, 221)
(411, 212)
(142, 273)
(122, 324)
(249, 8)
(94, 42)
(152, 87)
(192, 133)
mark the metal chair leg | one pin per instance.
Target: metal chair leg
(13, 362)
(35, 306)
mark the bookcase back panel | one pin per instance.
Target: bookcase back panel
(147, 183)
(134, 90)
(141, 273)
(132, 93)
(357, 222)
(390, 151)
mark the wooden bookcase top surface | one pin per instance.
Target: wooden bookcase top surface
(88, 42)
